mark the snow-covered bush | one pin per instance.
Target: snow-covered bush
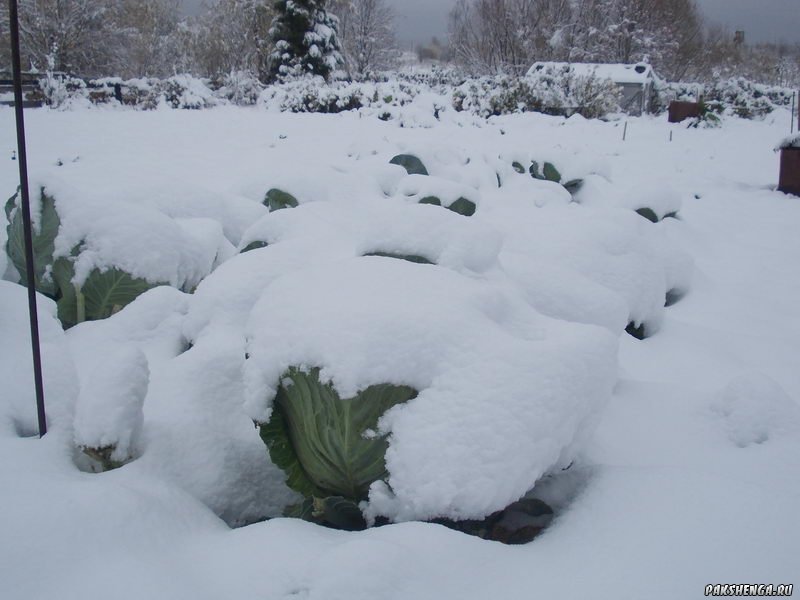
(735, 96)
(181, 91)
(59, 90)
(312, 94)
(551, 91)
(240, 88)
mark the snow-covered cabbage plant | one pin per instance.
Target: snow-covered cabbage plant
(99, 295)
(328, 446)
(108, 414)
(418, 188)
(549, 172)
(480, 357)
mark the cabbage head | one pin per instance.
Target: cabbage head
(328, 446)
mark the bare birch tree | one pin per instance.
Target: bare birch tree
(63, 35)
(366, 32)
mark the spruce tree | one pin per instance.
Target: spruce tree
(306, 39)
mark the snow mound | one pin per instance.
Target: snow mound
(109, 409)
(18, 400)
(611, 248)
(659, 196)
(354, 228)
(754, 409)
(195, 433)
(489, 369)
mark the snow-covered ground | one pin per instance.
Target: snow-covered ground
(686, 445)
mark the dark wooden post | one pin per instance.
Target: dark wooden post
(790, 171)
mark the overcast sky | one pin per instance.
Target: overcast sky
(762, 20)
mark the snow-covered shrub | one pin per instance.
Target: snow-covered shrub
(552, 91)
(181, 91)
(735, 96)
(440, 79)
(747, 99)
(241, 88)
(312, 94)
(496, 96)
(59, 90)
(108, 414)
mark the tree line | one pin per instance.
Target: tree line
(507, 36)
(274, 39)
(150, 38)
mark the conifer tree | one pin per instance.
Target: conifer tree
(306, 39)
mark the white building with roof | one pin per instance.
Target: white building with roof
(637, 82)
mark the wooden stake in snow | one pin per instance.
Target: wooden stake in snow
(625, 131)
(13, 18)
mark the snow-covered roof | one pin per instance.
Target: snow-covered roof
(618, 73)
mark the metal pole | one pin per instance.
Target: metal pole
(26, 214)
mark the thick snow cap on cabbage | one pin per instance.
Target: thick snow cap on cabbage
(109, 410)
(506, 394)
(323, 232)
(355, 228)
(135, 237)
(562, 254)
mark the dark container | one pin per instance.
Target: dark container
(680, 111)
(790, 171)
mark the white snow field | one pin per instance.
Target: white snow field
(683, 448)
